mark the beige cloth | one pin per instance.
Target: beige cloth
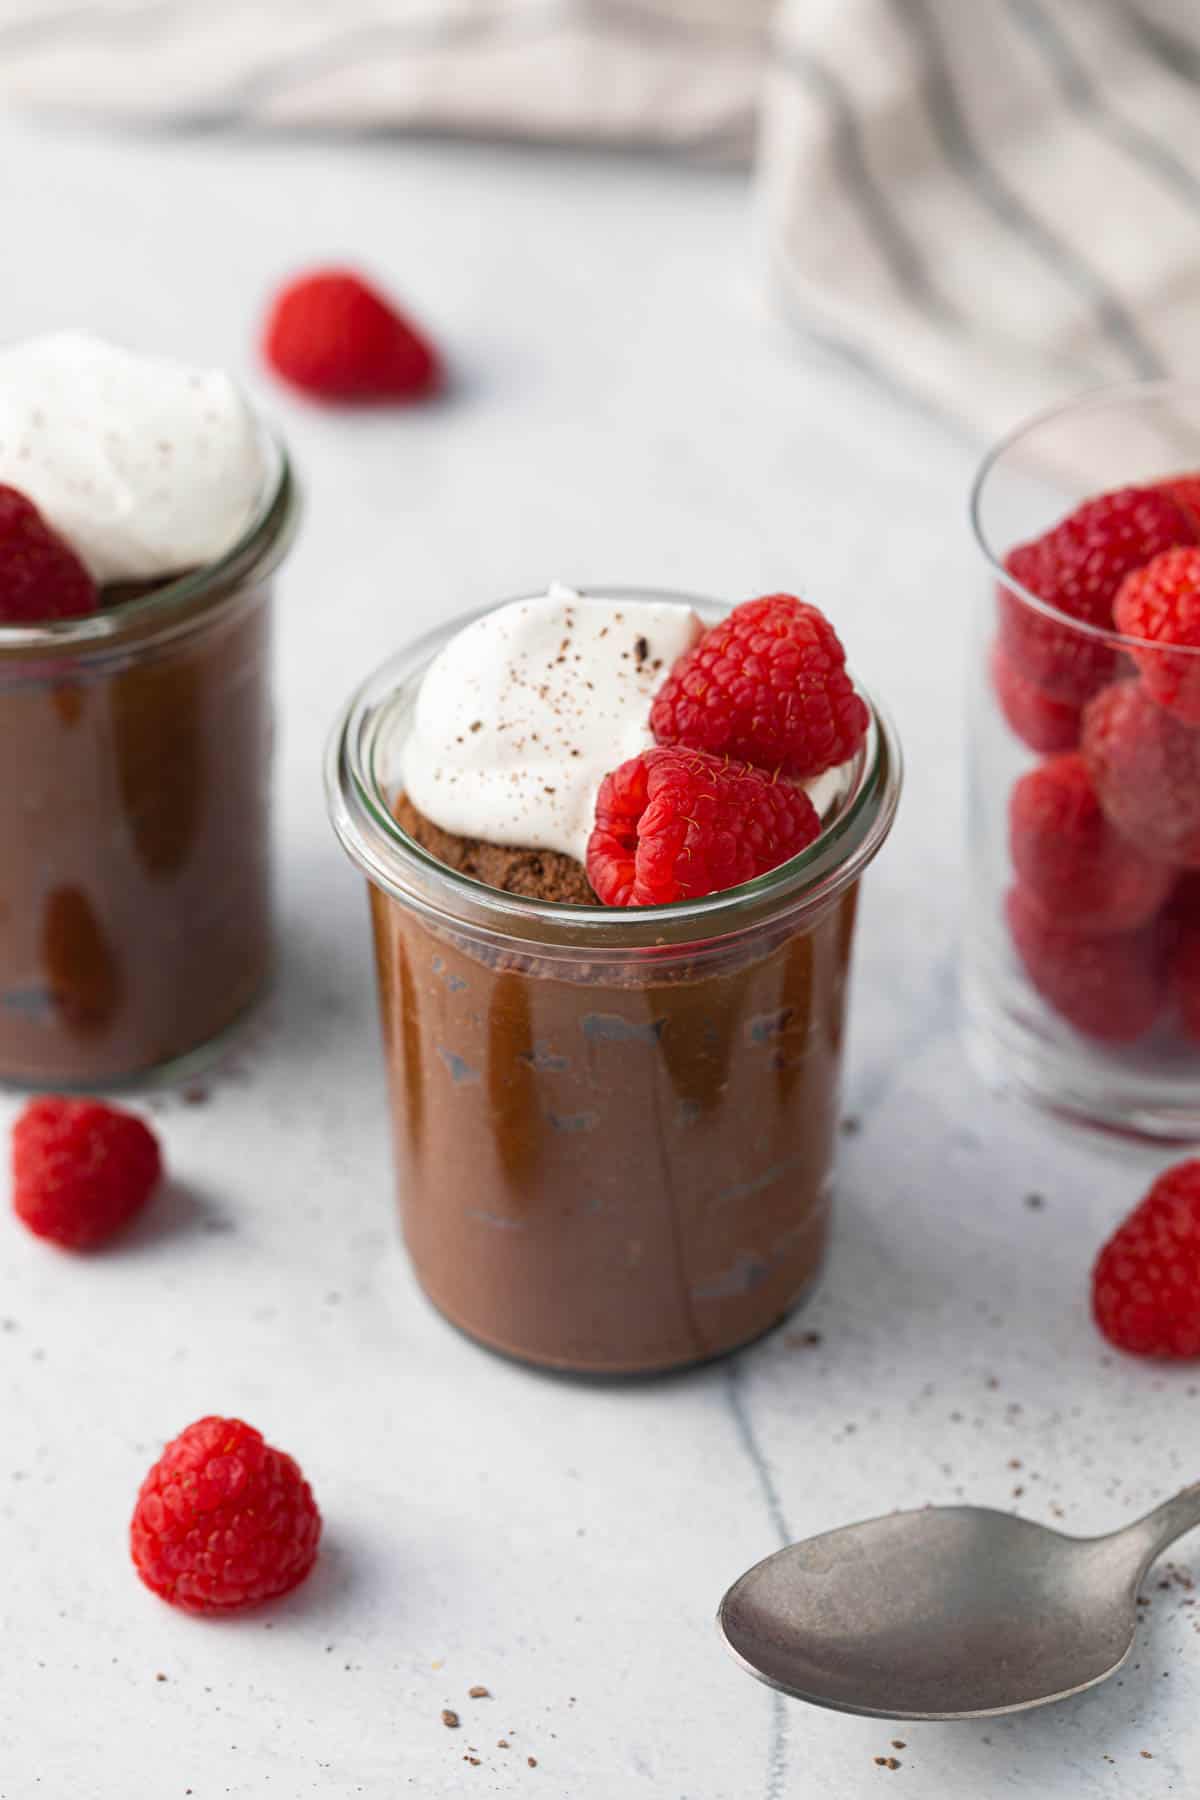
(990, 202)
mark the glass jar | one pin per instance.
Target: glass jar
(613, 1129)
(1082, 966)
(134, 814)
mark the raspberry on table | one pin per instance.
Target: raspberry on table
(1070, 857)
(1077, 568)
(223, 1521)
(1161, 604)
(675, 824)
(41, 577)
(768, 685)
(81, 1169)
(1108, 988)
(1038, 719)
(1146, 1279)
(1145, 767)
(335, 337)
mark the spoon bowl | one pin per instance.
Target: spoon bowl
(946, 1613)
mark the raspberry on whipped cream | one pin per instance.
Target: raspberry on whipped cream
(144, 466)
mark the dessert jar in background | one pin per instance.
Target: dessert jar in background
(613, 1128)
(134, 814)
(1082, 940)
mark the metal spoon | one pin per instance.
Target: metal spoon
(954, 1612)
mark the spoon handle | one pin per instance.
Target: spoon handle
(1150, 1536)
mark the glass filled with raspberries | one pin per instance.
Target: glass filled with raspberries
(612, 841)
(1083, 935)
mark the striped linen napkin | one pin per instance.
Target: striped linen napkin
(991, 205)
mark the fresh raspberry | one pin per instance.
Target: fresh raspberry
(1077, 568)
(81, 1169)
(1038, 719)
(1184, 904)
(41, 578)
(1161, 603)
(675, 824)
(1184, 974)
(1109, 988)
(1146, 1280)
(223, 1521)
(1072, 860)
(1179, 935)
(1145, 768)
(1184, 490)
(336, 338)
(767, 685)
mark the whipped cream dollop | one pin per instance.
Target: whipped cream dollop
(145, 466)
(525, 711)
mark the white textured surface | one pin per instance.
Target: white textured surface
(619, 414)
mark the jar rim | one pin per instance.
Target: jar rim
(395, 863)
(1114, 393)
(259, 548)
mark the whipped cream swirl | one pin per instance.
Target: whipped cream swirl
(145, 466)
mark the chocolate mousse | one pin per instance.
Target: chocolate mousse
(538, 874)
(613, 1134)
(614, 1170)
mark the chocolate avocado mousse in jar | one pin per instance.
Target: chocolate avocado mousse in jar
(612, 841)
(143, 511)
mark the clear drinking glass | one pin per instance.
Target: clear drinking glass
(613, 1129)
(134, 815)
(1089, 1005)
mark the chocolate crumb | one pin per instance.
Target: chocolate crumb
(478, 1693)
(160, 1677)
(887, 1762)
(532, 1761)
(899, 1744)
(476, 725)
(473, 1760)
(450, 1718)
(502, 1744)
(1147, 1754)
(641, 649)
